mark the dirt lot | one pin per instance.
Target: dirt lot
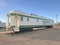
(40, 37)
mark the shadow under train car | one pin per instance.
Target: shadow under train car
(25, 29)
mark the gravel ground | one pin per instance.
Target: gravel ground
(49, 36)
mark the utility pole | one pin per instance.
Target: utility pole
(56, 17)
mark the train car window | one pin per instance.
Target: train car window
(21, 18)
(27, 18)
(43, 22)
(37, 20)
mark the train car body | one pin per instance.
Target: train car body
(17, 20)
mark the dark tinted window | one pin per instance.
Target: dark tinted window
(27, 18)
(21, 18)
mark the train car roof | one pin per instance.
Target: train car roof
(16, 12)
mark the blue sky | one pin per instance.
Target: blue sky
(46, 8)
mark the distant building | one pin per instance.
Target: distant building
(2, 25)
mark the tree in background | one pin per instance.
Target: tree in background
(0, 21)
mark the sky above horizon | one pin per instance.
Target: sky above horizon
(46, 8)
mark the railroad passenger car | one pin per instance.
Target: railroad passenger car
(16, 20)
